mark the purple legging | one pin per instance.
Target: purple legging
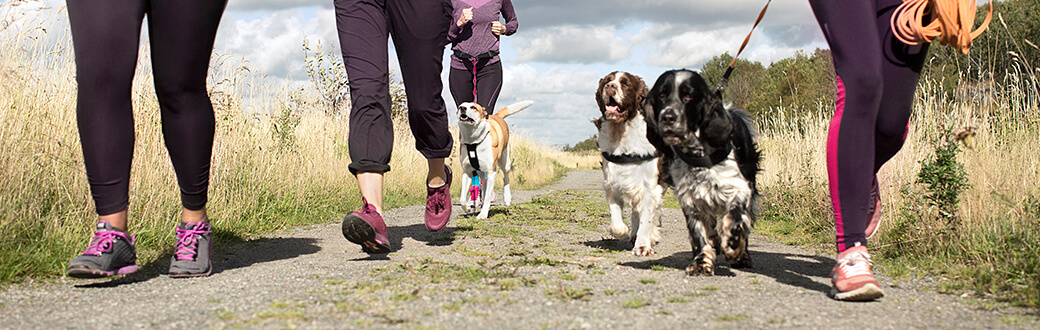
(488, 83)
(419, 29)
(106, 36)
(877, 77)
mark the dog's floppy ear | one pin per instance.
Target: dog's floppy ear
(653, 133)
(599, 90)
(716, 125)
(639, 86)
(482, 110)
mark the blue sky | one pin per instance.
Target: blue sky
(560, 51)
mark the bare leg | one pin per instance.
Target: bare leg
(189, 216)
(118, 219)
(436, 177)
(371, 186)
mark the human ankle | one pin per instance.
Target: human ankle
(193, 216)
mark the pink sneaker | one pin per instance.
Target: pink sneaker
(438, 204)
(874, 212)
(851, 277)
(366, 228)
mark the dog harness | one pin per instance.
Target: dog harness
(471, 153)
(705, 161)
(628, 158)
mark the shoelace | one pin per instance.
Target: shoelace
(102, 242)
(188, 241)
(855, 264)
(438, 200)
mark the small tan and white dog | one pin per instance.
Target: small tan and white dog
(484, 140)
(630, 161)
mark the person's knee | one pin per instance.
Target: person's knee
(863, 85)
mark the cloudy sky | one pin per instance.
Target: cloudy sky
(560, 51)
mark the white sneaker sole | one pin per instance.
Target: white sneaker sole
(865, 293)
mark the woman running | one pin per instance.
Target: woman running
(105, 35)
(877, 77)
(476, 69)
(419, 29)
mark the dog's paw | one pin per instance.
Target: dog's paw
(643, 251)
(700, 269)
(742, 263)
(655, 234)
(703, 264)
(620, 232)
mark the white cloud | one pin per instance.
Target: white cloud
(273, 43)
(561, 118)
(701, 13)
(689, 48)
(572, 44)
(524, 79)
(769, 53)
(265, 5)
(564, 101)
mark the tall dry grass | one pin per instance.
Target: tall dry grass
(279, 160)
(993, 250)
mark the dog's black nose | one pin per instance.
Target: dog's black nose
(463, 116)
(668, 117)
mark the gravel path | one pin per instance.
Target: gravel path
(492, 274)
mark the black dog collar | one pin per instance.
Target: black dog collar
(705, 161)
(628, 158)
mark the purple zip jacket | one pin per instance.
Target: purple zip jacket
(475, 37)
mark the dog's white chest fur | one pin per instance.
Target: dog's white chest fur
(710, 190)
(628, 137)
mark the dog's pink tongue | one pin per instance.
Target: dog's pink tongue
(612, 108)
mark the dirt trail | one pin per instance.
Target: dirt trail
(514, 270)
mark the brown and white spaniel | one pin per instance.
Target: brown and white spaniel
(630, 161)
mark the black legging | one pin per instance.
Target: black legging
(106, 37)
(877, 76)
(488, 83)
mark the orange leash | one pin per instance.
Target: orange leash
(951, 23)
(733, 63)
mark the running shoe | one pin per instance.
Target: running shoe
(438, 204)
(851, 276)
(366, 228)
(111, 252)
(191, 257)
(874, 212)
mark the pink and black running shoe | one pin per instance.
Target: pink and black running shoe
(111, 252)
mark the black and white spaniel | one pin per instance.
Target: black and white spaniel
(630, 162)
(711, 156)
